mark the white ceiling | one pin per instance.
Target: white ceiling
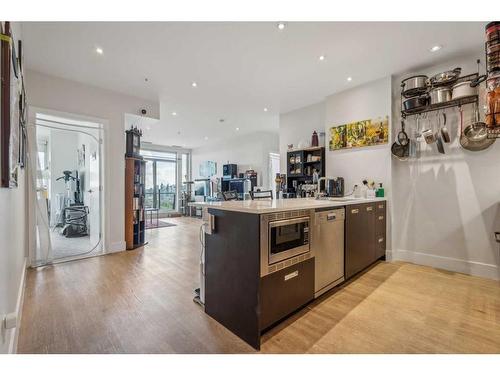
(240, 68)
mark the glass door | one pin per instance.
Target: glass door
(69, 179)
(166, 185)
(165, 172)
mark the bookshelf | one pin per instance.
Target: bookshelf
(135, 179)
(135, 170)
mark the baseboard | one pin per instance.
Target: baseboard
(14, 336)
(388, 255)
(116, 247)
(490, 271)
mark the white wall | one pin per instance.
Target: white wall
(249, 151)
(298, 125)
(367, 101)
(13, 246)
(446, 207)
(443, 209)
(63, 95)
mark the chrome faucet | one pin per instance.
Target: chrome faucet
(318, 192)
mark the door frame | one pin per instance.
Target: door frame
(104, 146)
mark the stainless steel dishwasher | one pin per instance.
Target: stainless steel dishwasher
(328, 243)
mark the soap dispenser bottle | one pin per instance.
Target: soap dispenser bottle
(380, 191)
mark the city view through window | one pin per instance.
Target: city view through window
(161, 180)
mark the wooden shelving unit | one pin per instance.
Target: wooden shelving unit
(135, 229)
(299, 169)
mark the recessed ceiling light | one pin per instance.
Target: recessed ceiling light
(265, 109)
(349, 79)
(206, 138)
(281, 25)
(99, 50)
(237, 129)
(322, 57)
(174, 113)
(194, 84)
(436, 48)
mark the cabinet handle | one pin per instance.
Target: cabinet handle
(381, 239)
(355, 211)
(381, 218)
(291, 275)
(369, 208)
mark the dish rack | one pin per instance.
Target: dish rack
(451, 103)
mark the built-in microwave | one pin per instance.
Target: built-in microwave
(284, 239)
(288, 238)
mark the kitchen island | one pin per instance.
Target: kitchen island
(265, 259)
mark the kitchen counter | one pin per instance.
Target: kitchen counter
(279, 205)
(246, 290)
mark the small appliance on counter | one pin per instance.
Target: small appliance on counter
(307, 190)
(229, 171)
(335, 187)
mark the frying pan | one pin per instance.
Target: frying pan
(476, 131)
(477, 143)
(399, 151)
(402, 136)
(400, 148)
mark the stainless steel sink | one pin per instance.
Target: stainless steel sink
(338, 199)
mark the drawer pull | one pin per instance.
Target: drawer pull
(381, 239)
(291, 275)
(380, 206)
(331, 217)
(381, 218)
(369, 208)
(355, 211)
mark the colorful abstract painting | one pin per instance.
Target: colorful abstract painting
(360, 134)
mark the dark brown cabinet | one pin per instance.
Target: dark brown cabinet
(285, 291)
(380, 229)
(365, 236)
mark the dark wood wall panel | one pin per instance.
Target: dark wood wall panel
(232, 274)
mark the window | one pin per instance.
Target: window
(162, 178)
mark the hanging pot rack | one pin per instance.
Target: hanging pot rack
(451, 103)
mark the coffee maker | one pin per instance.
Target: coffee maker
(335, 187)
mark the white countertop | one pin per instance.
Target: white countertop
(277, 205)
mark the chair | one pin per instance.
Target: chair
(230, 195)
(261, 194)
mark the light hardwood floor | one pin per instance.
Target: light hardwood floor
(141, 302)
